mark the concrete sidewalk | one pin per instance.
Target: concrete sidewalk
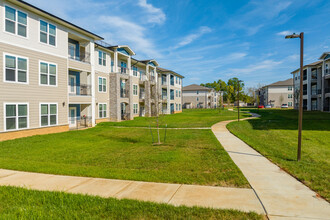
(173, 194)
(282, 196)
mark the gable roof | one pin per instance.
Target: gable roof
(54, 17)
(324, 56)
(195, 87)
(288, 82)
(150, 61)
(125, 47)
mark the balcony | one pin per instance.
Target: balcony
(327, 90)
(164, 82)
(123, 70)
(142, 78)
(152, 79)
(77, 123)
(80, 89)
(124, 93)
(78, 55)
(142, 96)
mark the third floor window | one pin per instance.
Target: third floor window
(102, 58)
(16, 22)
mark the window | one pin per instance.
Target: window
(179, 107)
(16, 116)
(16, 69)
(135, 90)
(135, 71)
(197, 99)
(176, 93)
(102, 58)
(197, 92)
(48, 114)
(102, 110)
(176, 107)
(102, 84)
(16, 22)
(48, 74)
(135, 108)
(47, 33)
(290, 96)
(326, 68)
(180, 94)
(290, 104)
(290, 88)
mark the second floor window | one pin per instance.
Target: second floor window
(102, 84)
(47, 33)
(135, 90)
(48, 74)
(290, 88)
(135, 71)
(102, 58)
(16, 22)
(290, 96)
(176, 93)
(16, 69)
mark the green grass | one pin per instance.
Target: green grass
(188, 118)
(17, 203)
(275, 136)
(188, 157)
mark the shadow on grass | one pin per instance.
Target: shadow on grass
(277, 119)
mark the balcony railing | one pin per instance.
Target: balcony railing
(314, 75)
(80, 89)
(143, 77)
(152, 78)
(123, 70)
(124, 93)
(82, 56)
(142, 96)
(164, 97)
(172, 82)
(80, 122)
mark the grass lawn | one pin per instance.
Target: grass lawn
(188, 118)
(189, 156)
(275, 136)
(17, 203)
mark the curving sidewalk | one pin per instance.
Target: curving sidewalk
(282, 196)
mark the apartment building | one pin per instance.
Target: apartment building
(316, 85)
(196, 96)
(57, 76)
(277, 93)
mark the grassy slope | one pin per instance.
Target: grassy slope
(188, 118)
(189, 156)
(275, 136)
(16, 203)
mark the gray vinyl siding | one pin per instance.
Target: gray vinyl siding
(33, 93)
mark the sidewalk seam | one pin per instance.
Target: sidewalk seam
(174, 194)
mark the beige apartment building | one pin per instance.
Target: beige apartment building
(196, 96)
(57, 76)
(316, 85)
(276, 94)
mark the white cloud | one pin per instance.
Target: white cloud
(284, 33)
(155, 15)
(192, 37)
(121, 30)
(260, 67)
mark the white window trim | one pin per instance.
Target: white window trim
(16, 22)
(16, 72)
(137, 108)
(137, 90)
(48, 103)
(49, 63)
(4, 115)
(106, 112)
(104, 58)
(45, 20)
(98, 82)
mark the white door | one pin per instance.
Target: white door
(72, 51)
(72, 82)
(72, 117)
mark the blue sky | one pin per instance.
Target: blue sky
(208, 40)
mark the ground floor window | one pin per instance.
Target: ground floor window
(102, 110)
(290, 104)
(179, 107)
(135, 108)
(48, 114)
(16, 116)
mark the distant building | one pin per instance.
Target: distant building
(196, 96)
(276, 94)
(316, 85)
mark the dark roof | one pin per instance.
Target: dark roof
(288, 82)
(171, 71)
(311, 64)
(195, 87)
(69, 23)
